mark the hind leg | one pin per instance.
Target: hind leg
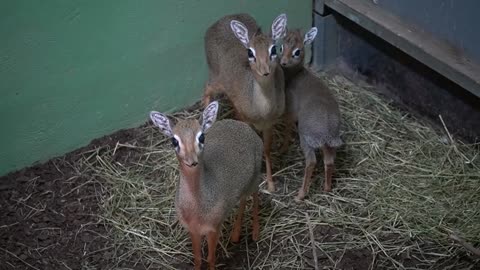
(267, 144)
(237, 115)
(237, 227)
(310, 163)
(255, 219)
(328, 161)
(211, 89)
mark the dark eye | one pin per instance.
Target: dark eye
(201, 138)
(174, 142)
(281, 48)
(273, 50)
(297, 53)
(250, 53)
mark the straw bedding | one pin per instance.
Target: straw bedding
(402, 190)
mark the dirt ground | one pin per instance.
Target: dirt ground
(50, 216)
(104, 207)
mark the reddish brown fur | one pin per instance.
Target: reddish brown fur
(256, 89)
(231, 174)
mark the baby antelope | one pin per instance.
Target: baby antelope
(311, 104)
(243, 64)
(219, 165)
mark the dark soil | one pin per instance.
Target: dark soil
(49, 215)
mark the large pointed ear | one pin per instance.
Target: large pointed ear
(279, 27)
(161, 121)
(240, 31)
(209, 115)
(310, 36)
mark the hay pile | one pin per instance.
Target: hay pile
(400, 189)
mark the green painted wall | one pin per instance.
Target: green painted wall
(71, 71)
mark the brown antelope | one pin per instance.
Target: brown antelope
(243, 65)
(311, 104)
(217, 168)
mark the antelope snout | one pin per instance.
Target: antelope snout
(191, 162)
(265, 71)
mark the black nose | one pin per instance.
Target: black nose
(193, 164)
(284, 64)
(266, 74)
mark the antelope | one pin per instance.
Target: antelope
(220, 165)
(243, 65)
(311, 104)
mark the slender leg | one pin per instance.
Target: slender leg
(237, 115)
(310, 163)
(212, 239)
(210, 90)
(255, 219)
(197, 250)
(267, 144)
(207, 95)
(287, 133)
(237, 227)
(328, 161)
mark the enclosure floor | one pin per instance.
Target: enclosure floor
(402, 188)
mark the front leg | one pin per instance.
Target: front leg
(212, 239)
(287, 132)
(255, 219)
(197, 250)
(310, 163)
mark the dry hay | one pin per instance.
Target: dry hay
(401, 187)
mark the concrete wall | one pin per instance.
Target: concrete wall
(409, 83)
(450, 20)
(71, 71)
(412, 84)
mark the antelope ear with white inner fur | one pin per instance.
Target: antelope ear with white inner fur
(240, 31)
(209, 115)
(161, 121)
(279, 27)
(310, 36)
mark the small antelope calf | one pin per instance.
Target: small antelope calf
(311, 104)
(243, 64)
(218, 168)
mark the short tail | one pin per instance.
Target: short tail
(335, 142)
